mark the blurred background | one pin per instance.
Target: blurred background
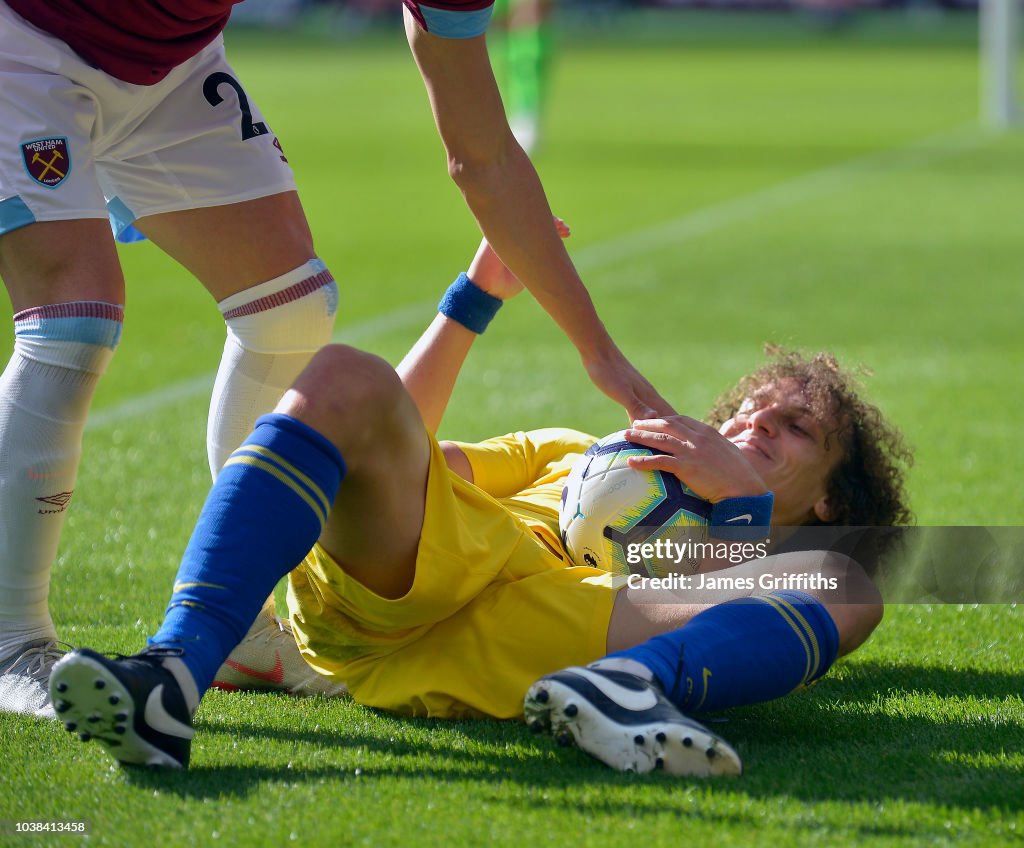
(285, 11)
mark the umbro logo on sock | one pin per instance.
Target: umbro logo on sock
(60, 500)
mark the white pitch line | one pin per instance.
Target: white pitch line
(150, 402)
(917, 154)
(187, 390)
(920, 153)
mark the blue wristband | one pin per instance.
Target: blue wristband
(471, 306)
(742, 519)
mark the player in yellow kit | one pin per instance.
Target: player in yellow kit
(493, 600)
(431, 579)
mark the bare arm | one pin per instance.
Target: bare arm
(430, 369)
(504, 193)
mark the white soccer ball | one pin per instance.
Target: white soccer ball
(610, 510)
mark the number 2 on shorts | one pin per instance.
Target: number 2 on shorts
(214, 98)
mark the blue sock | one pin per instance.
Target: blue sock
(742, 652)
(263, 515)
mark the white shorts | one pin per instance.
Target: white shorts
(78, 143)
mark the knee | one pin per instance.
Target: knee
(855, 623)
(856, 605)
(261, 321)
(341, 380)
(350, 396)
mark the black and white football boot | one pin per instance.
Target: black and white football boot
(623, 719)
(139, 707)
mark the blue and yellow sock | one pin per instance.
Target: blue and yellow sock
(742, 652)
(262, 517)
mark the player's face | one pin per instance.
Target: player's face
(787, 445)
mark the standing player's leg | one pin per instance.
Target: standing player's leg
(60, 268)
(256, 259)
(278, 300)
(266, 510)
(67, 292)
(219, 197)
(204, 177)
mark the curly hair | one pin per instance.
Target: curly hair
(866, 486)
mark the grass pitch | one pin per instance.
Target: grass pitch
(725, 187)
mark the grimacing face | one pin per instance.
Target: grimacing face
(789, 447)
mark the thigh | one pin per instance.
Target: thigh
(374, 529)
(204, 175)
(357, 401)
(60, 261)
(234, 247)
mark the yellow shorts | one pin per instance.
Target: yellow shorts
(491, 609)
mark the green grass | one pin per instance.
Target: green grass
(818, 192)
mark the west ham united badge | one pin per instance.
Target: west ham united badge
(47, 160)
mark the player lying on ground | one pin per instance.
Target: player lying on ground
(132, 110)
(431, 579)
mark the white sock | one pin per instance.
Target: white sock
(274, 329)
(60, 351)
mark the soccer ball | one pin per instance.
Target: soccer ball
(609, 509)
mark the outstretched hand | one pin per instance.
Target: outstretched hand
(489, 273)
(612, 374)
